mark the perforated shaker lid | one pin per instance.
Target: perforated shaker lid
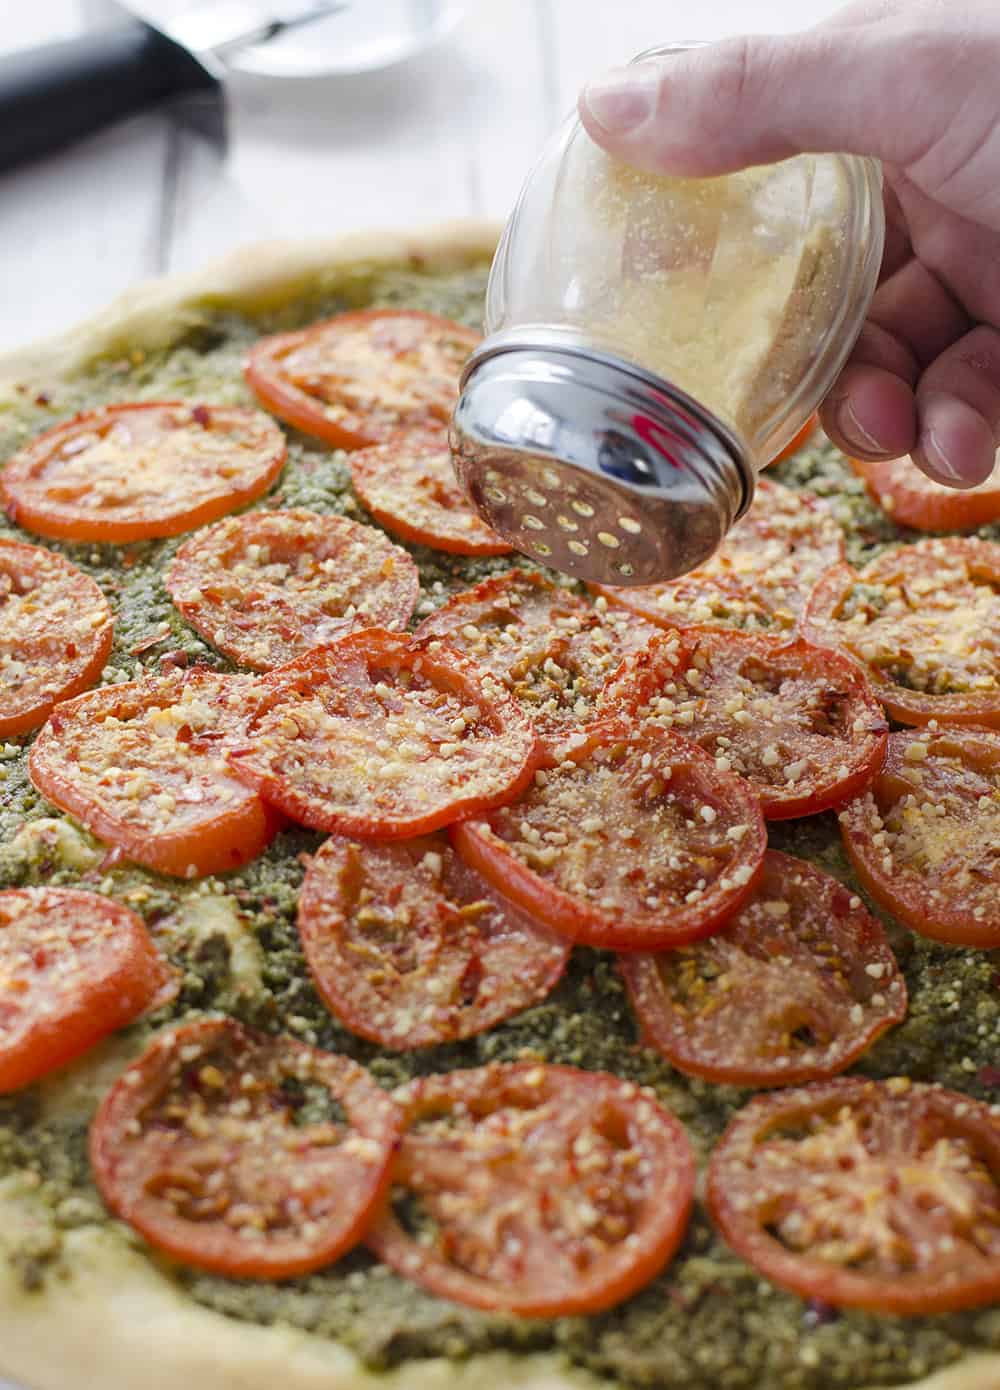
(588, 464)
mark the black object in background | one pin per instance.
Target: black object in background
(53, 95)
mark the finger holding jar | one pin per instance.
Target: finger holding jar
(924, 376)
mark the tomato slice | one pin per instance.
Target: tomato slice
(797, 985)
(56, 630)
(800, 723)
(75, 966)
(802, 438)
(913, 499)
(380, 734)
(357, 378)
(254, 1156)
(537, 1190)
(636, 843)
(409, 486)
(925, 838)
(759, 577)
(142, 766)
(138, 471)
(865, 1194)
(925, 621)
(552, 650)
(266, 587)
(410, 947)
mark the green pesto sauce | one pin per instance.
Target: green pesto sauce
(709, 1323)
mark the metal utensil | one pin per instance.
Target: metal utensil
(54, 95)
(365, 36)
(591, 465)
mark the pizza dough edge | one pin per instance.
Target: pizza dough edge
(108, 1316)
(255, 278)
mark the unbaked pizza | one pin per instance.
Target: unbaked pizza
(417, 971)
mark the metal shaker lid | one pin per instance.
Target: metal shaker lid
(591, 465)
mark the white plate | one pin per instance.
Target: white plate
(364, 36)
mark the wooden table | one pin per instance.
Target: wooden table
(449, 135)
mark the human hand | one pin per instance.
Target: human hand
(914, 83)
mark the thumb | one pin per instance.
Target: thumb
(755, 100)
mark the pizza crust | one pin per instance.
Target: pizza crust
(107, 1315)
(255, 279)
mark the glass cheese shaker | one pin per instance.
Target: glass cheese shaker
(652, 343)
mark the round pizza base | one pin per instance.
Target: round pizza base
(106, 1314)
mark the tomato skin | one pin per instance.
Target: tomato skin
(354, 423)
(275, 614)
(943, 884)
(240, 828)
(76, 967)
(913, 499)
(340, 675)
(409, 485)
(27, 506)
(864, 1163)
(48, 602)
(784, 688)
(729, 1009)
(559, 1118)
(236, 1155)
(410, 948)
(904, 569)
(556, 654)
(680, 915)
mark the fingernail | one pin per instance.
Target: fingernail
(939, 461)
(622, 99)
(854, 431)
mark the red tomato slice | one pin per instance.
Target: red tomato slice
(382, 735)
(637, 843)
(797, 985)
(925, 838)
(925, 621)
(865, 1194)
(266, 587)
(55, 634)
(759, 577)
(134, 472)
(141, 765)
(254, 1156)
(410, 947)
(537, 1190)
(552, 650)
(75, 966)
(913, 499)
(409, 486)
(355, 379)
(800, 723)
(803, 437)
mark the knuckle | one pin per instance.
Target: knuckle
(735, 80)
(729, 90)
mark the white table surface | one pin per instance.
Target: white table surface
(450, 135)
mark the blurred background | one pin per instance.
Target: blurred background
(449, 133)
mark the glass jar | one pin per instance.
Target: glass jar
(652, 343)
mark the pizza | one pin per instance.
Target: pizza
(419, 972)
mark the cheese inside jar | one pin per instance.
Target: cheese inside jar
(652, 342)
